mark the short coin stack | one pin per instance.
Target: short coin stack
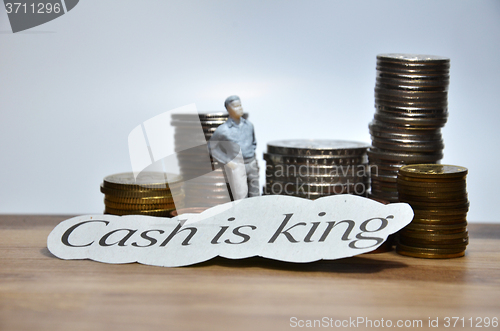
(203, 187)
(315, 168)
(411, 107)
(437, 193)
(150, 194)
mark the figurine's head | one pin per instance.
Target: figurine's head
(234, 108)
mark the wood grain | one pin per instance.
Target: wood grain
(41, 292)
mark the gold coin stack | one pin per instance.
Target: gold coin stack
(149, 194)
(437, 193)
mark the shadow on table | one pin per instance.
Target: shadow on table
(357, 264)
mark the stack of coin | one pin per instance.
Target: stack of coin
(314, 168)
(437, 193)
(411, 107)
(150, 194)
(205, 183)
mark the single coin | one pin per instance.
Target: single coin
(144, 180)
(147, 193)
(409, 86)
(412, 85)
(196, 123)
(385, 66)
(416, 95)
(326, 188)
(314, 160)
(435, 246)
(317, 147)
(383, 190)
(385, 177)
(381, 199)
(157, 212)
(414, 78)
(450, 197)
(401, 137)
(436, 227)
(383, 195)
(413, 58)
(439, 205)
(429, 255)
(393, 128)
(307, 195)
(128, 206)
(376, 181)
(426, 179)
(399, 120)
(181, 116)
(433, 236)
(407, 248)
(431, 186)
(291, 170)
(458, 243)
(413, 116)
(390, 101)
(434, 171)
(431, 79)
(144, 201)
(392, 197)
(411, 70)
(417, 75)
(411, 148)
(433, 212)
(423, 230)
(407, 141)
(404, 157)
(437, 222)
(216, 196)
(412, 109)
(316, 179)
(380, 171)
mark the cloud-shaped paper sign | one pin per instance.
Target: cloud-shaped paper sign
(276, 227)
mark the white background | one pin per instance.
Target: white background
(71, 90)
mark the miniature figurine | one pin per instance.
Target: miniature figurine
(233, 144)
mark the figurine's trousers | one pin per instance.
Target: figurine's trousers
(244, 179)
(237, 180)
(252, 170)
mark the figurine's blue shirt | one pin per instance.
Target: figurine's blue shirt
(241, 135)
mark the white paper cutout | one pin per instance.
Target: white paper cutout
(276, 227)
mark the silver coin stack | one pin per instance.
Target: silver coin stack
(411, 107)
(204, 180)
(315, 168)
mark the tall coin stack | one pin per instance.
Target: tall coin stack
(150, 194)
(315, 168)
(437, 193)
(411, 107)
(210, 189)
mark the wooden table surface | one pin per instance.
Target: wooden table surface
(41, 292)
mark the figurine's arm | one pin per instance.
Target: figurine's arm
(218, 146)
(220, 154)
(217, 151)
(254, 141)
